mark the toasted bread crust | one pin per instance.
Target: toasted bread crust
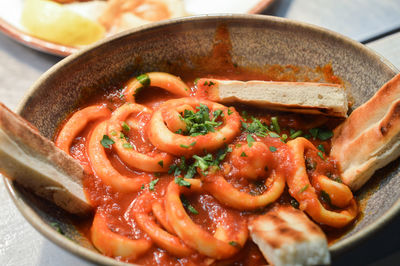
(301, 97)
(369, 138)
(287, 237)
(36, 163)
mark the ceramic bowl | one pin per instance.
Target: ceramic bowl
(256, 41)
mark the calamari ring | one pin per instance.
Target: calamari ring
(339, 194)
(133, 158)
(301, 189)
(158, 210)
(77, 123)
(215, 246)
(162, 80)
(103, 168)
(167, 241)
(114, 245)
(224, 192)
(166, 140)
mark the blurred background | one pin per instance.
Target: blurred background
(30, 44)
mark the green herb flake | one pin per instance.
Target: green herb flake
(142, 187)
(303, 189)
(256, 127)
(161, 163)
(125, 126)
(273, 135)
(156, 174)
(188, 146)
(57, 227)
(182, 182)
(195, 81)
(320, 154)
(188, 206)
(113, 133)
(272, 149)
(325, 134)
(144, 79)
(127, 145)
(321, 147)
(230, 111)
(275, 124)
(153, 183)
(250, 140)
(243, 154)
(296, 134)
(234, 244)
(314, 132)
(284, 137)
(107, 142)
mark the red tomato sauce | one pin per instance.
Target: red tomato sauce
(116, 206)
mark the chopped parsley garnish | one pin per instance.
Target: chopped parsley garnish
(243, 154)
(230, 111)
(296, 134)
(234, 244)
(161, 163)
(256, 127)
(142, 187)
(127, 145)
(113, 133)
(275, 124)
(250, 140)
(321, 147)
(273, 135)
(57, 227)
(284, 137)
(294, 203)
(153, 183)
(188, 146)
(320, 154)
(200, 122)
(144, 79)
(321, 134)
(107, 142)
(125, 126)
(304, 188)
(182, 182)
(272, 149)
(187, 205)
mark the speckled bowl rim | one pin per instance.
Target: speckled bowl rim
(35, 220)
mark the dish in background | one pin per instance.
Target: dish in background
(10, 20)
(256, 41)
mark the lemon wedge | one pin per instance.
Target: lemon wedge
(54, 22)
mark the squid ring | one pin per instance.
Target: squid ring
(301, 189)
(167, 241)
(224, 192)
(162, 80)
(103, 168)
(77, 123)
(169, 141)
(215, 246)
(115, 245)
(149, 163)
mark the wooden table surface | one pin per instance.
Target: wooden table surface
(373, 22)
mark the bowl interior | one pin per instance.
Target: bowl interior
(191, 43)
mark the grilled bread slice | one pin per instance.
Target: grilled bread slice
(36, 163)
(300, 97)
(369, 138)
(286, 236)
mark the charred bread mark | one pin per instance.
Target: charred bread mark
(37, 164)
(286, 236)
(369, 138)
